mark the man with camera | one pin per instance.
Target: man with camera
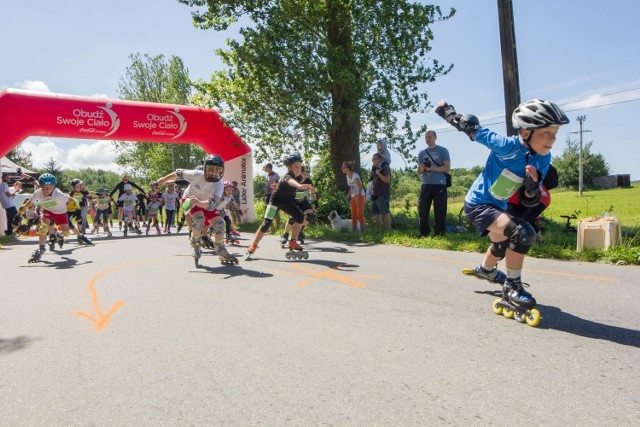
(380, 177)
(433, 164)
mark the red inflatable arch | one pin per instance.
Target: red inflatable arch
(25, 113)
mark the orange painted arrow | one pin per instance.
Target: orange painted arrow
(102, 319)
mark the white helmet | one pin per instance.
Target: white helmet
(128, 187)
(538, 113)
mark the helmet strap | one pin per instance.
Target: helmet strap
(527, 143)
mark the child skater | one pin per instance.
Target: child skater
(284, 198)
(516, 164)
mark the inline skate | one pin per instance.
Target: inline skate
(284, 239)
(491, 276)
(225, 257)
(207, 242)
(250, 250)
(52, 242)
(517, 303)
(296, 251)
(37, 254)
(84, 240)
(197, 251)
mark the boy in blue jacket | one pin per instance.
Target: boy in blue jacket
(516, 164)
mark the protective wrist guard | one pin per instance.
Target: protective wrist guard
(531, 187)
(467, 123)
(529, 202)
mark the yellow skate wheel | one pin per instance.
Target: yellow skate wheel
(496, 306)
(468, 271)
(533, 318)
(508, 312)
(520, 317)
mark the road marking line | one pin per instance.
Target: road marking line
(452, 261)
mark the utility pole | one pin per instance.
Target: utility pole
(510, 78)
(581, 120)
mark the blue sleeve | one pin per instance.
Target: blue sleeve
(499, 144)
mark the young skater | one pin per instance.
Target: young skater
(53, 204)
(516, 164)
(284, 198)
(306, 200)
(153, 208)
(204, 195)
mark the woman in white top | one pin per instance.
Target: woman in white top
(356, 195)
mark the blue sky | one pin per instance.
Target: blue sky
(582, 55)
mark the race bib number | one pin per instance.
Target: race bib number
(506, 185)
(47, 204)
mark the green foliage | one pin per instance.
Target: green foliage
(21, 157)
(52, 167)
(154, 79)
(330, 197)
(324, 76)
(567, 164)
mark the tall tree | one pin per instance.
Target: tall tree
(326, 75)
(567, 164)
(154, 79)
(21, 157)
(54, 169)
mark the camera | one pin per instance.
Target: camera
(427, 163)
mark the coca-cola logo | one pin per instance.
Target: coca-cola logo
(102, 120)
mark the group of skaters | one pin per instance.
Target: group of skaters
(516, 165)
(55, 214)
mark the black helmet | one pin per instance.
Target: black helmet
(75, 181)
(213, 160)
(291, 159)
(538, 113)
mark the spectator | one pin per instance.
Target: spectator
(433, 163)
(380, 176)
(356, 195)
(8, 204)
(272, 179)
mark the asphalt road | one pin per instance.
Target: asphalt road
(129, 332)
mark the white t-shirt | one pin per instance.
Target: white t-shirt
(128, 201)
(170, 200)
(200, 187)
(5, 201)
(56, 202)
(352, 185)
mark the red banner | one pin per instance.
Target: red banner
(24, 114)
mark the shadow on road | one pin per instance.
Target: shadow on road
(14, 344)
(556, 319)
(65, 263)
(232, 271)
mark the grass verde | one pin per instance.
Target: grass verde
(622, 203)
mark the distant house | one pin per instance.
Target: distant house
(612, 181)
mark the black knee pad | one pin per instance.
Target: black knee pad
(310, 217)
(265, 225)
(499, 249)
(521, 235)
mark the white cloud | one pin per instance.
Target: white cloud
(42, 149)
(95, 154)
(35, 85)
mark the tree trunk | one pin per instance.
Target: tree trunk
(344, 138)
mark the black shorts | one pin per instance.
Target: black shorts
(290, 207)
(482, 216)
(77, 215)
(304, 204)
